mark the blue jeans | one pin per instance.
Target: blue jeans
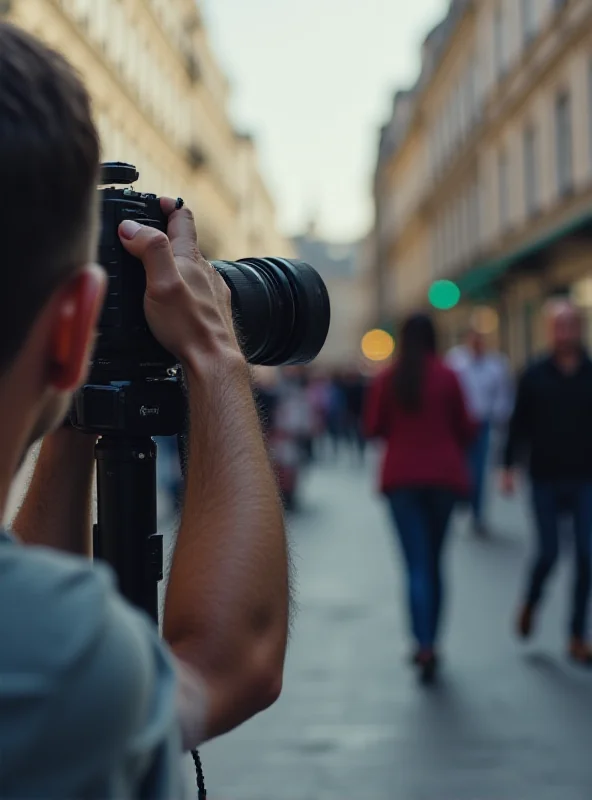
(478, 460)
(421, 516)
(550, 502)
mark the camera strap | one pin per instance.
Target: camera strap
(201, 784)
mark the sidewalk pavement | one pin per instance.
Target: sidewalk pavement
(506, 723)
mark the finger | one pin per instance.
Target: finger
(168, 205)
(153, 249)
(183, 234)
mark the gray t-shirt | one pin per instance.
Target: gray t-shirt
(87, 689)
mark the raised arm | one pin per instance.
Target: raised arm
(227, 604)
(56, 511)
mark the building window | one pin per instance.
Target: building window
(436, 247)
(446, 240)
(503, 190)
(528, 20)
(473, 88)
(563, 143)
(476, 216)
(499, 41)
(531, 176)
(456, 233)
(527, 328)
(590, 113)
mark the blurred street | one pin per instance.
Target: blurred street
(506, 723)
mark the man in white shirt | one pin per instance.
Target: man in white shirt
(487, 384)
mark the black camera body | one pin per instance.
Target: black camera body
(280, 308)
(133, 385)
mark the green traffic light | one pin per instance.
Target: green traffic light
(444, 295)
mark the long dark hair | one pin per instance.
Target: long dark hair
(417, 341)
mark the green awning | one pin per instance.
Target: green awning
(480, 280)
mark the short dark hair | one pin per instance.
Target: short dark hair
(49, 157)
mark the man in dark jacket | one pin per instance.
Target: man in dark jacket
(552, 420)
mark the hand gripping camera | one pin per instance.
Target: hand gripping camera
(281, 310)
(135, 388)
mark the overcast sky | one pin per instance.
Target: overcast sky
(313, 80)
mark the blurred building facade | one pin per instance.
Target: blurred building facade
(344, 268)
(161, 103)
(484, 173)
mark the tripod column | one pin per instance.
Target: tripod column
(125, 535)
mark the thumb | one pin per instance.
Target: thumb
(154, 250)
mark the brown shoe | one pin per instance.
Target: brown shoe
(525, 622)
(427, 664)
(580, 652)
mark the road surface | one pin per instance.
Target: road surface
(507, 723)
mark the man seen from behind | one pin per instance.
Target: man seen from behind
(92, 703)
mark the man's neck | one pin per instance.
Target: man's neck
(569, 361)
(14, 436)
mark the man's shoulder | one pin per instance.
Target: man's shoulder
(499, 364)
(536, 369)
(538, 364)
(457, 356)
(57, 609)
(74, 648)
(49, 597)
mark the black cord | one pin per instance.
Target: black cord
(201, 784)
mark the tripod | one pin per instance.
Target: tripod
(125, 535)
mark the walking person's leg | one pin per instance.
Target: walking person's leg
(582, 519)
(410, 522)
(478, 462)
(440, 505)
(360, 440)
(545, 505)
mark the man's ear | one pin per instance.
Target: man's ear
(74, 320)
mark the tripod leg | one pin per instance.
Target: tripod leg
(126, 533)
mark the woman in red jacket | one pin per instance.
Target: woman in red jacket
(417, 407)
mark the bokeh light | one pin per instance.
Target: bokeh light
(378, 345)
(444, 295)
(485, 320)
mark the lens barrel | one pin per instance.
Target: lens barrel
(281, 309)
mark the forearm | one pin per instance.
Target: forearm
(227, 604)
(56, 511)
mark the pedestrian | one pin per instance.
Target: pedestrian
(170, 476)
(265, 394)
(417, 407)
(355, 391)
(336, 412)
(552, 420)
(318, 400)
(486, 381)
(292, 428)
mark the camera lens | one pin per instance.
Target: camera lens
(281, 309)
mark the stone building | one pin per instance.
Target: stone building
(161, 102)
(484, 174)
(344, 268)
